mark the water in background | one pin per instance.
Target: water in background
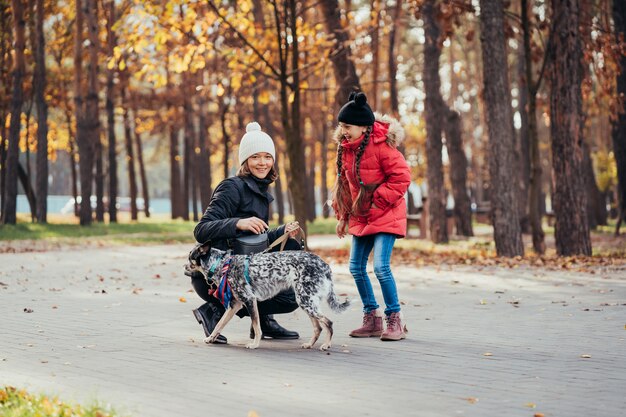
(57, 202)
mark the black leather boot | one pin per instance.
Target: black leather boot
(208, 314)
(271, 329)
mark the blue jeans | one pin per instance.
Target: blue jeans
(382, 243)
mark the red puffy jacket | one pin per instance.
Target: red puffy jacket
(384, 168)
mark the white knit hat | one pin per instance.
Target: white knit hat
(255, 141)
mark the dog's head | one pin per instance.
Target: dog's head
(203, 259)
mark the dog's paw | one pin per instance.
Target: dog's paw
(210, 339)
(252, 345)
(306, 346)
(325, 347)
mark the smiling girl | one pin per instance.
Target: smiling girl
(368, 198)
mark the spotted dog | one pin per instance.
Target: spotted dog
(262, 276)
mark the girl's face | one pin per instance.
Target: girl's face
(260, 164)
(351, 132)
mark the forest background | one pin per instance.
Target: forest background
(512, 110)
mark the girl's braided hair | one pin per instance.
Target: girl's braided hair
(341, 190)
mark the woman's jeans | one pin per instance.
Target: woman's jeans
(382, 244)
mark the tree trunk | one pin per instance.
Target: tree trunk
(175, 185)
(9, 212)
(375, 33)
(345, 73)
(392, 64)
(42, 117)
(204, 164)
(523, 142)
(571, 229)
(130, 154)
(142, 168)
(458, 174)
(505, 214)
(190, 155)
(278, 185)
(618, 128)
(596, 203)
(293, 128)
(225, 137)
(535, 206)
(110, 109)
(28, 188)
(433, 115)
(5, 81)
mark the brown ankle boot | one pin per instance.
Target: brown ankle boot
(394, 330)
(372, 326)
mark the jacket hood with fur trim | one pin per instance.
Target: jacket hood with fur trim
(385, 126)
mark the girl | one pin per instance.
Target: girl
(368, 198)
(240, 205)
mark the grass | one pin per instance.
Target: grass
(19, 403)
(157, 229)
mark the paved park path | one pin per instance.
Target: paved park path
(114, 324)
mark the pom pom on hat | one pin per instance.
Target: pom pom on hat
(255, 141)
(356, 111)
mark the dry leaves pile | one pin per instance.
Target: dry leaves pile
(484, 258)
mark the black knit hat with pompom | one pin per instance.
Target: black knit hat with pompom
(356, 111)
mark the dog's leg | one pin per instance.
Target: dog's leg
(234, 307)
(256, 323)
(328, 326)
(317, 329)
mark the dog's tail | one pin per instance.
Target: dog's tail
(335, 304)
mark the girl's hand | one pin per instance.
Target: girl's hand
(253, 224)
(293, 228)
(340, 229)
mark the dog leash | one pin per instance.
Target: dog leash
(282, 240)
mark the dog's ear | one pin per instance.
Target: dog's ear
(199, 251)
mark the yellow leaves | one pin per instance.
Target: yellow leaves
(182, 299)
(264, 97)
(252, 413)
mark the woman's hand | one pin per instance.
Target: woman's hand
(293, 228)
(253, 224)
(340, 229)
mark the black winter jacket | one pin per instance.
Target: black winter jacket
(233, 199)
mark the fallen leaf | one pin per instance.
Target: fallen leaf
(287, 384)
(585, 356)
(483, 302)
(487, 354)
(538, 415)
(182, 299)
(157, 276)
(137, 290)
(471, 400)
(530, 405)
(252, 413)
(28, 310)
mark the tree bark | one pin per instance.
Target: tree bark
(204, 164)
(9, 214)
(5, 81)
(505, 214)
(145, 192)
(110, 110)
(458, 174)
(392, 64)
(345, 72)
(618, 125)
(42, 117)
(130, 154)
(571, 229)
(433, 115)
(174, 153)
(534, 193)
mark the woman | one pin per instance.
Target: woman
(240, 205)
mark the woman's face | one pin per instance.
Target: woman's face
(260, 164)
(351, 132)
